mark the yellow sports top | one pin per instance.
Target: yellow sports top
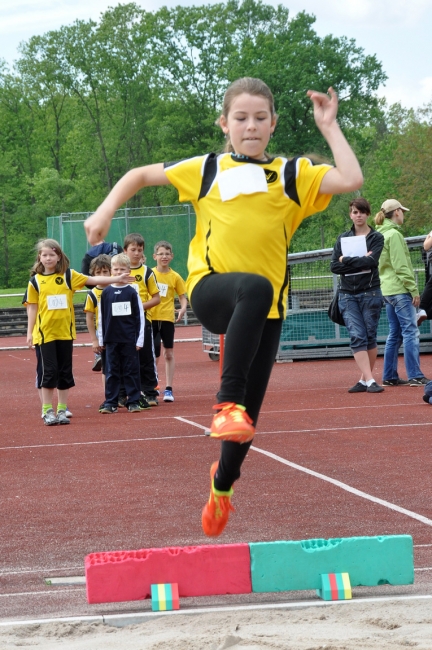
(246, 214)
(92, 303)
(169, 284)
(55, 320)
(147, 285)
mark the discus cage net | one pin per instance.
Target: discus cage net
(173, 223)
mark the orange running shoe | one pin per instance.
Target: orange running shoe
(232, 423)
(216, 511)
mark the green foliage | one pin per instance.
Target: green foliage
(87, 102)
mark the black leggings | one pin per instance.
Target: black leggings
(237, 304)
(426, 299)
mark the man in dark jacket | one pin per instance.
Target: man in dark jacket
(101, 248)
(360, 297)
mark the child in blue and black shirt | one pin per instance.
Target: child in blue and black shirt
(121, 334)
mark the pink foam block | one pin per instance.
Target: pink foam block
(198, 570)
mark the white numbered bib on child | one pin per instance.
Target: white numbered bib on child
(246, 179)
(57, 302)
(163, 289)
(121, 308)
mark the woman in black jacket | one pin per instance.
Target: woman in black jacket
(360, 297)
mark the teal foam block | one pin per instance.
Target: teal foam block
(371, 561)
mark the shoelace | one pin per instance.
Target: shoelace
(234, 410)
(222, 506)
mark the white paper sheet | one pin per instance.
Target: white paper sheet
(354, 247)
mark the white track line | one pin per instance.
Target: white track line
(51, 570)
(137, 617)
(339, 484)
(87, 345)
(41, 593)
(346, 487)
(200, 426)
(194, 424)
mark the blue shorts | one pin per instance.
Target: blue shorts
(361, 313)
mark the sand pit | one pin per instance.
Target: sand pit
(372, 625)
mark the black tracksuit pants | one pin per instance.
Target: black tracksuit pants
(237, 304)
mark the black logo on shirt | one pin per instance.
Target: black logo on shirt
(59, 280)
(138, 278)
(271, 176)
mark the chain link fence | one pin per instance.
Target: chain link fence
(307, 332)
(175, 223)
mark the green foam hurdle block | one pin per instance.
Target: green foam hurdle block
(290, 566)
(165, 597)
(335, 586)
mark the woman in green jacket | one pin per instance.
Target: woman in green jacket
(401, 296)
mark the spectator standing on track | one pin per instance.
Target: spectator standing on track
(121, 335)
(248, 205)
(149, 293)
(163, 317)
(100, 265)
(360, 297)
(100, 248)
(51, 322)
(401, 296)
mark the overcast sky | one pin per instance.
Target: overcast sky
(399, 32)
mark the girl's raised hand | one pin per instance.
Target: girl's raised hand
(325, 107)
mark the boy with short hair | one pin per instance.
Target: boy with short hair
(149, 293)
(170, 283)
(100, 265)
(121, 334)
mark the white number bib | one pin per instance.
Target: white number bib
(121, 308)
(57, 302)
(247, 179)
(163, 289)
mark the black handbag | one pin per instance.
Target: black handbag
(334, 312)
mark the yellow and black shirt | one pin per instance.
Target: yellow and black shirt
(246, 214)
(92, 303)
(169, 285)
(53, 293)
(147, 285)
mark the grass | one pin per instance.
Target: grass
(7, 300)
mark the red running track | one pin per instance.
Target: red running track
(131, 481)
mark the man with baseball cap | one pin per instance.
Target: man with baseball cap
(401, 297)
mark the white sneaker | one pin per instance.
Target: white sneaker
(68, 413)
(50, 418)
(421, 316)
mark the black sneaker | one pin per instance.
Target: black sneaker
(108, 409)
(418, 381)
(395, 382)
(143, 403)
(97, 366)
(122, 402)
(134, 408)
(425, 399)
(358, 388)
(374, 388)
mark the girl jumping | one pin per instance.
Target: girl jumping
(248, 205)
